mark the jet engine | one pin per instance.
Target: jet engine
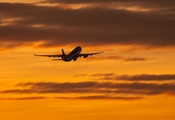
(85, 56)
(75, 59)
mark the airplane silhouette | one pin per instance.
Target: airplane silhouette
(73, 55)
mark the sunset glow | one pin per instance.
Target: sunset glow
(134, 79)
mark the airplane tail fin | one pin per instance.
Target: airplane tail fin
(64, 57)
(63, 53)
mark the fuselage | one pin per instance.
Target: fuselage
(73, 55)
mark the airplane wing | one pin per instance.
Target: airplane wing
(49, 55)
(85, 55)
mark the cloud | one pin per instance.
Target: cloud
(54, 26)
(24, 98)
(132, 59)
(95, 97)
(100, 97)
(148, 77)
(139, 77)
(112, 88)
(153, 2)
(131, 5)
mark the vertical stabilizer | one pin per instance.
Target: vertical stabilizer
(63, 52)
(64, 57)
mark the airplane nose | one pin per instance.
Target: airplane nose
(79, 48)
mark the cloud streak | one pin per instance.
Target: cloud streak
(100, 97)
(139, 77)
(54, 26)
(132, 59)
(95, 97)
(24, 98)
(132, 2)
(79, 88)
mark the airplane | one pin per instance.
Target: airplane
(73, 55)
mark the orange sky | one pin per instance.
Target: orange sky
(133, 79)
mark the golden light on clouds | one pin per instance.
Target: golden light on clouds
(133, 79)
(19, 1)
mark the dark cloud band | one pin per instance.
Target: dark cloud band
(112, 88)
(139, 77)
(27, 23)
